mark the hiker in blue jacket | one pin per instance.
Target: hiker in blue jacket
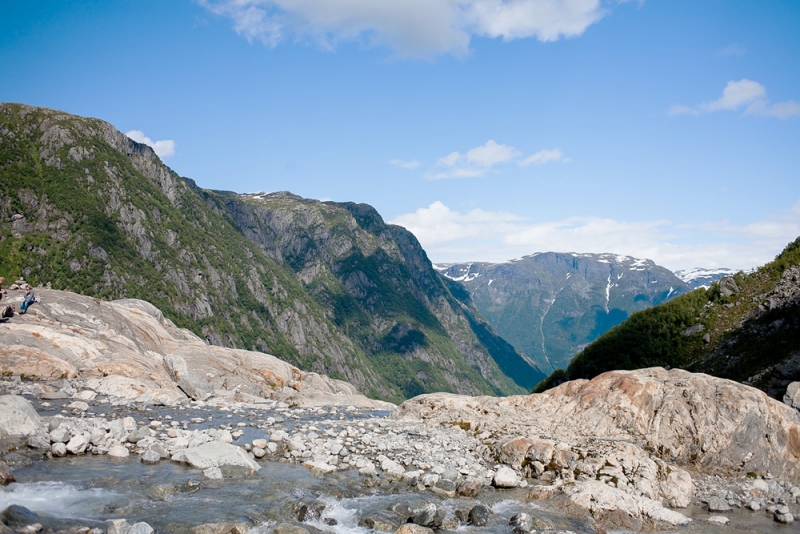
(29, 299)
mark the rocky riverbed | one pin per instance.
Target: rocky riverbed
(273, 466)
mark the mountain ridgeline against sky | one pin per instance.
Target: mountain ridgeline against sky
(551, 305)
(328, 287)
(744, 328)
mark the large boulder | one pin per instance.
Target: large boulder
(17, 417)
(216, 454)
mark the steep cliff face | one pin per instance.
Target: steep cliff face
(333, 291)
(85, 208)
(377, 285)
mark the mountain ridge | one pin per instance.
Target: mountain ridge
(86, 208)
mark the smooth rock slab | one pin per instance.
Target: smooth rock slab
(216, 454)
(18, 418)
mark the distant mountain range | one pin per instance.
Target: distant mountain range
(327, 286)
(745, 327)
(551, 305)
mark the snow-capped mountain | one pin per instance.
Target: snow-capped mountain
(699, 277)
(550, 305)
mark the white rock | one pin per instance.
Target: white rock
(58, 449)
(505, 477)
(78, 444)
(118, 451)
(719, 520)
(215, 454)
(17, 417)
(77, 405)
(392, 468)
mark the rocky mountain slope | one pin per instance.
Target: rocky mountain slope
(745, 328)
(551, 305)
(377, 285)
(85, 208)
(128, 349)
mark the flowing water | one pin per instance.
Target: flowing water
(171, 497)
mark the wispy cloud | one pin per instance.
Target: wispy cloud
(733, 50)
(544, 156)
(163, 149)
(482, 159)
(479, 235)
(744, 95)
(419, 28)
(413, 164)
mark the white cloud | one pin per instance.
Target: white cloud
(736, 94)
(413, 164)
(163, 149)
(479, 160)
(544, 156)
(412, 27)
(740, 94)
(733, 50)
(450, 236)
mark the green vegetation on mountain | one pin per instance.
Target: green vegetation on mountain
(328, 287)
(748, 331)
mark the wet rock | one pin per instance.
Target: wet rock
(288, 528)
(470, 488)
(429, 516)
(782, 514)
(139, 434)
(540, 492)
(121, 526)
(118, 451)
(220, 528)
(505, 478)
(78, 444)
(521, 523)
(38, 441)
(305, 511)
(213, 473)
(6, 476)
(445, 487)
(215, 454)
(715, 504)
(478, 515)
(402, 510)
(16, 516)
(160, 449)
(258, 452)
(58, 449)
(411, 528)
(150, 457)
(60, 435)
(719, 520)
(383, 522)
(77, 406)
(18, 418)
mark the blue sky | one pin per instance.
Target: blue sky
(490, 128)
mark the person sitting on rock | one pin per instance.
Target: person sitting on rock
(29, 299)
